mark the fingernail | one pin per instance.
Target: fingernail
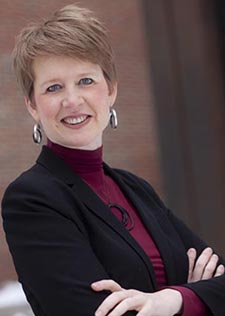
(98, 313)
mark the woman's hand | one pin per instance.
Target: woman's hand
(204, 267)
(166, 302)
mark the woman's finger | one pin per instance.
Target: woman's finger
(220, 270)
(210, 267)
(109, 285)
(128, 304)
(114, 302)
(191, 259)
(200, 265)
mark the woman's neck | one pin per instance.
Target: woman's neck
(82, 161)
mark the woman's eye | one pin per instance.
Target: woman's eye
(54, 88)
(86, 81)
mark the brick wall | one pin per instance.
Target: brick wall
(133, 146)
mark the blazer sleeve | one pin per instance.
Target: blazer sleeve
(51, 251)
(211, 291)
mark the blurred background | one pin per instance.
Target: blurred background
(171, 65)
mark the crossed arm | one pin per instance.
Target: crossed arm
(166, 302)
(46, 228)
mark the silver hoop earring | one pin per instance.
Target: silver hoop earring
(113, 119)
(37, 135)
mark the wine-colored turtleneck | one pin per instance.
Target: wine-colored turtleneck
(88, 164)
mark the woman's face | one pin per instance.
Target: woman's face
(71, 100)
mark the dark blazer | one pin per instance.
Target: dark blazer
(63, 237)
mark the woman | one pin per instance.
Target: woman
(85, 238)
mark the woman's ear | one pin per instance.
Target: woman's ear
(31, 107)
(114, 93)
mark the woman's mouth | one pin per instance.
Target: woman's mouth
(75, 120)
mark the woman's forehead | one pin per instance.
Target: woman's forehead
(51, 65)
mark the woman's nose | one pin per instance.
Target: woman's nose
(72, 98)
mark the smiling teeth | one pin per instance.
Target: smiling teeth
(76, 120)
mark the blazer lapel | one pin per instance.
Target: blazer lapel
(152, 224)
(59, 168)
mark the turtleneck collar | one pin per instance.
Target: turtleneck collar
(87, 164)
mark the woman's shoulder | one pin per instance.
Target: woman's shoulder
(138, 184)
(30, 177)
(133, 179)
(37, 182)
